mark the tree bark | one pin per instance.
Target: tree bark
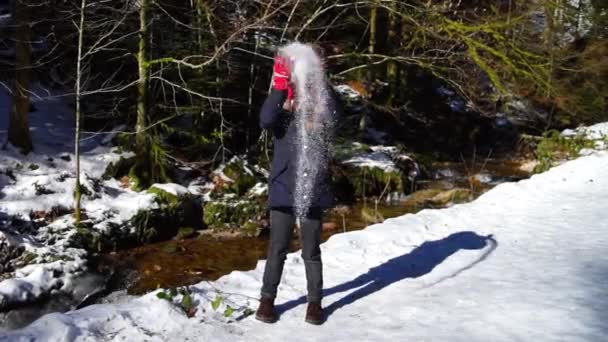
(18, 129)
(142, 84)
(77, 190)
(392, 69)
(373, 14)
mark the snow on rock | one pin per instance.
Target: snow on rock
(594, 132)
(172, 188)
(259, 189)
(377, 159)
(525, 261)
(347, 91)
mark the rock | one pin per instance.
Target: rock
(185, 233)
(453, 196)
(169, 193)
(177, 208)
(529, 166)
(231, 213)
(258, 190)
(119, 168)
(9, 254)
(362, 171)
(252, 228)
(330, 226)
(236, 177)
(370, 215)
(421, 198)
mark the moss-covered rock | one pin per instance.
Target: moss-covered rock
(231, 214)
(362, 171)
(119, 168)
(452, 196)
(176, 208)
(185, 233)
(242, 178)
(165, 197)
(370, 215)
(350, 182)
(421, 198)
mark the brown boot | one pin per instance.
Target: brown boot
(314, 313)
(265, 311)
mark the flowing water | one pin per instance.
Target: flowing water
(208, 257)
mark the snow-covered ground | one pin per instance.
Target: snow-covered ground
(34, 186)
(526, 261)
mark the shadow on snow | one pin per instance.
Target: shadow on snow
(420, 261)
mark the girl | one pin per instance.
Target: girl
(299, 112)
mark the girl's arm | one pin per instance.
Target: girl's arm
(272, 108)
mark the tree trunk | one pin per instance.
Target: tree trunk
(392, 68)
(77, 190)
(551, 9)
(373, 14)
(142, 84)
(18, 129)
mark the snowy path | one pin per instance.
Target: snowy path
(433, 276)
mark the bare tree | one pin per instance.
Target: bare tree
(19, 130)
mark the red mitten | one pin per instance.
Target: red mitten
(281, 74)
(290, 92)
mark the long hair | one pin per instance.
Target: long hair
(313, 121)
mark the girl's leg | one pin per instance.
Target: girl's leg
(310, 238)
(281, 230)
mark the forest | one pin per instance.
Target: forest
(130, 135)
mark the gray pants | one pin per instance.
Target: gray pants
(282, 222)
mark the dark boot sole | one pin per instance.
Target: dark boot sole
(269, 320)
(313, 321)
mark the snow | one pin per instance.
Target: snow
(595, 132)
(347, 91)
(376, 159)
(258, 189)
(172, 188)
(44, 180)
(525, 261)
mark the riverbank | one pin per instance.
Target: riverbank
(524, 261)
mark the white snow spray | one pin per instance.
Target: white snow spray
(314, 122)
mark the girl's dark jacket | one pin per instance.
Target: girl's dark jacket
(282, 178)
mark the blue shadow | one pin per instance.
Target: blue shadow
(420, 261)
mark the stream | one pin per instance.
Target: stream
(209, 256)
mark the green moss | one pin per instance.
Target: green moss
(34, 167)
(231, 214)
(163, 196)
(124, 140)
(455, 196)
(243, 180)
(370, 215)
(185, 233)
(86, 238)
(119, 168)
(251, 228)
(553, 147)
(137, 184)
(373, 181)
(347, 150)
(26, 258)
